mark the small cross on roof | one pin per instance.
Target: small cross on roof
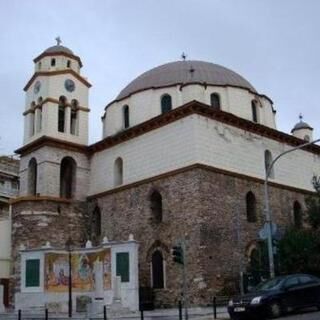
(58, 39)
(183, 56)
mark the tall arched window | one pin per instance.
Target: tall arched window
(156, 206)
(157, 270)
(254, 111)
(68, 64)
(251, 207)
(267, 163)
(96, 224)
(215, 100)
(126, 117)
(39, 115)
(61, 113)
(32, 177)
(32, 119)
(53, 62)
(297, 214)
(67, 177)
(166, 103)
(118, 172)
(74, 117)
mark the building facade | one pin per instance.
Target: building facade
(9, 187)
(183, 155)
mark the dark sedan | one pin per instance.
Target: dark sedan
(277, 296)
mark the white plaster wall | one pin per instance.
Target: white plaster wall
(48, 177)
(159, 151)
(236, 150)
(301, 133)
(5, 247)
(146, 105)
(196, 139)
(61, 64)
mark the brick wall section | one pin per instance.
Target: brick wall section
(204, 206)
(36, 222)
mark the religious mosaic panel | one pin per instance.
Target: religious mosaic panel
(83, 268)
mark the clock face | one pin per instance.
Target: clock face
(69, 85)
(37, 87)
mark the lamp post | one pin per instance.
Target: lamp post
(267, 206)
(69, 244)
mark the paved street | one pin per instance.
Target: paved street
(312, 315)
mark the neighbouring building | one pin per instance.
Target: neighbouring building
(183, 154)
(9, 187)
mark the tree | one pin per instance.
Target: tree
(299, 249)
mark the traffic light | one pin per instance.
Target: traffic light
(177, 254)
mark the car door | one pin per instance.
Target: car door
(310, 289)
(292, 295)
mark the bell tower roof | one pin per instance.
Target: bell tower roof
(58, 50)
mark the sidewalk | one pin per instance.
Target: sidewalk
(205, 313)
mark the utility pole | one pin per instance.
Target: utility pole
(179, 255)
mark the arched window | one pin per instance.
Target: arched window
(215, 100)
(156, 206)
(39, 115)
(251, 206)
(68, 64)
(32, 119)
(126, 116)
(118, 172)
(254, 111)
(74, 117)
(306, 138)
(157, 270)
(39, 65)
(53, 62)
(67, 177)
(61, 113)
(96, 225)
(32, 177)
(297, 214)
(166, 103)
(267, 162)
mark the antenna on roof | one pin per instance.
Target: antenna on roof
(183, 56)
(58, 39)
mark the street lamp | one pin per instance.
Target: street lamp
(69, 244)
(267, 206)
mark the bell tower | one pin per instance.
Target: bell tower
(57, 98)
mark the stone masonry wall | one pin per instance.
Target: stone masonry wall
(38, 221)
(206, 207)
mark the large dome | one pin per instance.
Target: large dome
(184, 72)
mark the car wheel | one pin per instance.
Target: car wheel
(318, 307)
(275, 309)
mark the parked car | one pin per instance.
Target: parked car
(277, 296)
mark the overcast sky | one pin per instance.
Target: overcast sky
(275, 44)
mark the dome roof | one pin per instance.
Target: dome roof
(58, 48)
(185, 72)
(301, 125)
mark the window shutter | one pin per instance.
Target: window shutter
(123, 266)
(33, 273)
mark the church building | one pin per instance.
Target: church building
(183, 155)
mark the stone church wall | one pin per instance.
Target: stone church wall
(38, 221)
(207, 207)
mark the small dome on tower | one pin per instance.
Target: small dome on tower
(58, 48)
(302, 130)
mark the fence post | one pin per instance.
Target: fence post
(141, 314)
(46, 314)
(104, 312)
(180, 310)
(19, 314)
(214, 305)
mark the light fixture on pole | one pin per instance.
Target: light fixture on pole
(267, 206)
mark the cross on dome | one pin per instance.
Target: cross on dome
(300, 117)
(183, 56)
(58, 39)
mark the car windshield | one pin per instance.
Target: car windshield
(269, 285)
